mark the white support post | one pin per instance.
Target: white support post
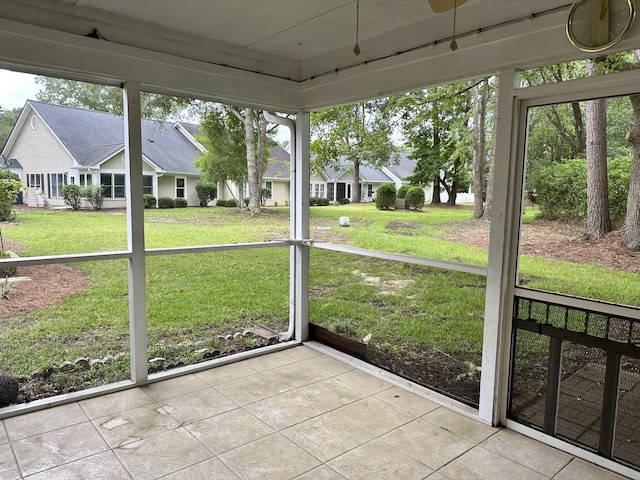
(135, 233)
(300, 211)
(502, 251)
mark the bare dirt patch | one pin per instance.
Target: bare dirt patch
(555, 240)
(48, 285)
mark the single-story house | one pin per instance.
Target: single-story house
(56, 145)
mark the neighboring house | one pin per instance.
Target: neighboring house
(56, 145)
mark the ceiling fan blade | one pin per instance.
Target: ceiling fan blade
(439, 6)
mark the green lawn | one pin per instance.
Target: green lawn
(194, 300)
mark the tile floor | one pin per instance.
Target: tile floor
(293, 414)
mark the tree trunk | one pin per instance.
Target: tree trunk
(631, 229)
(479, 146)
(435, 195)
(356, 195)
(581, 142)
(252, 167)
(486, 215)
(598, 219)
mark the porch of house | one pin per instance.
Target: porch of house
(307, 412)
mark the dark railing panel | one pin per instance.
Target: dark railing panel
(575, 374)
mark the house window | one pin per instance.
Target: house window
(181, 184)
(269, 185)
(147, 184)
(245, 189)
(330, 191)
(316, 190)
(56, 182)
(369, 190)
(84, 179)
(113, 184)
(35, 180)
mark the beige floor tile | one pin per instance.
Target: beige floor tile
(321, 473)
(229, 430)
(251, 389)
(481, 464)
(225, 373)
(407, 401)
(196, 406)
(465, 427)
(296, 375)
(3, 434)
(378, 461)
(330, 393)
(436, 476)
(270, 458)
(8, 466)
(162, 454)
(212, 469)
(528, 452)
(328, 365)
(115, 402)
(327, 436)
(174, 387)
(431, 445)
(135, 424)
(372, 415)
(579, 469)
(270, 361)
(282, 411)
(103, 466)
(367, 384)
(44, 421)
(57, 447)
(302, 353)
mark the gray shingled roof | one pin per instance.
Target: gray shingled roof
(367, 173)
(405, 166)
(278, 166)
(89, 135)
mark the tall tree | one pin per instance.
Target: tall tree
(436, 125)
(236, 142)
(598, 219)
(360, 133)
(8, 119)
(480, 96)
(488, 202)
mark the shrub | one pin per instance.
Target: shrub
(166, 202)
(562, 190)
(9, 188)
(150, 201)
(414, 198)
(7, 271)
(402, 191)
(386, 196)
(94, 194)
(206, 191)
(265, 193)
(72, 196)
(231, 203)
(221, 203)
(323, 202)
(313, 201)
(344, 201)
(180, 202)
(245, 201)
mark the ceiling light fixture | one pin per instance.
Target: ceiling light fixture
(356, 49)
(454, 45)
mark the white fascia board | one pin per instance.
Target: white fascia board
(13, 136)
(478, 55)
(189, 137)
(39, 50)
(397, 180)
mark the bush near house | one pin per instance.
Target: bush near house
(72, 196)
(414, 198)
(322, 202)
(94, 194)
(206, 191)
(166, 202)
(150, 201)
(180, 202)
(226, 203)
(402, 191)
(344, 201)
(265, 194)
(9, 188)
(386, 196)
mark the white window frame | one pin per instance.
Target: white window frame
(181, 191)
(56, 181)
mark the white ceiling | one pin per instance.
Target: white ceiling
(308, 44)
